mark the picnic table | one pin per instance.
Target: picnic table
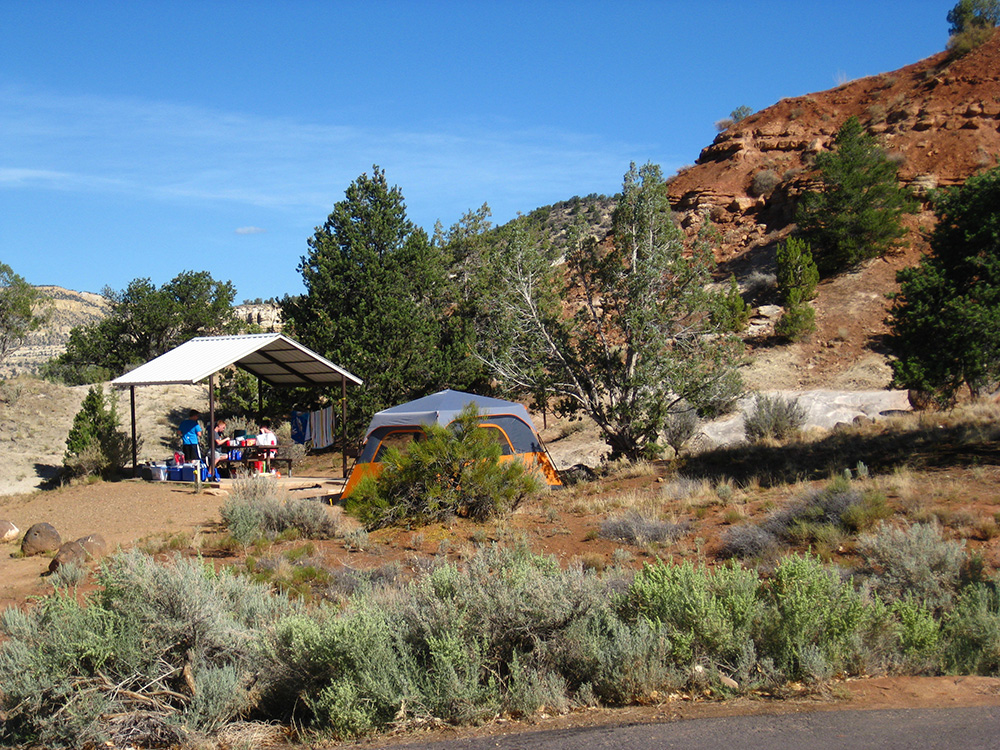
(245, 459)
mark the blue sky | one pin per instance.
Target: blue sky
(142, 139)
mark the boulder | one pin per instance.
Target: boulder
(94, 545)
(80, 551)
(71, 552)
(39, 539)
(8, 531)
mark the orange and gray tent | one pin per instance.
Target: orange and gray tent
(399, 425)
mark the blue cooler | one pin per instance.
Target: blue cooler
(189, 472)
(173, 473)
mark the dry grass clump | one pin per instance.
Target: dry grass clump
(640, 530)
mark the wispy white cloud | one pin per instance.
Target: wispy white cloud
(173, 152)
(250, 230)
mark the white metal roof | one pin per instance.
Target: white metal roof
(272, 357)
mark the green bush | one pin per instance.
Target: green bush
(972, 631)
(257, 509)
(728, 309)
(773, 417)
(707, 615)
(815, 619)
(457, 471)
(95, 444)
(796, 271)
(915, 562)
(798, 318)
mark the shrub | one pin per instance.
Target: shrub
(707, 615)
(679, 427)
(764, 182)
(796, 270)
(456, 471)
(635, 528)
(174, 641)
(95, 444)
(773, 417)
(815, 619)
(915, 562)
(748, 541)
(256, 508)
(798, 318)
(972, 631)
(728, 309)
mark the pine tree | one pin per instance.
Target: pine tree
(375, 300)
(858, 213)
(945, 321)
(95, 444)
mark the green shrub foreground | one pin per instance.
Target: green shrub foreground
(171, 653)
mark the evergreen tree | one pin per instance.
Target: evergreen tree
(19, 310)
(375, 301)
(945, 321)
(858, 213)
(95, 444)
(796, 270)
(623, 333)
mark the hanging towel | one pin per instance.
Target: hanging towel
(300, 427)
(321, 428)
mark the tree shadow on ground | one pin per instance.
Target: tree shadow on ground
(923, 447)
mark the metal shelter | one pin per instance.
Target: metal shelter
(272, 357)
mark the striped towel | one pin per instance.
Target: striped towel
(321, 428)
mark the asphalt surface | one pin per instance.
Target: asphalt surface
(976, 728)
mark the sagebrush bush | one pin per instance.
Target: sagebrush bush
(636, 528)
(67, 668)
(748, 541)
(773, 417)
(679, 427)
(457, 471)
(916, 562)
(257, 508)
(764, 182)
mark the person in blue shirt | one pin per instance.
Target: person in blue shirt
(190, 430)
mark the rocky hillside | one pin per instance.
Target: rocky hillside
(940, 118)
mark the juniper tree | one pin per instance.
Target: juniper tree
(622, 332)
(945, 321)
(857, 213)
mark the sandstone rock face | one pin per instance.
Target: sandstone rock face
(8, 531)
(39, 539)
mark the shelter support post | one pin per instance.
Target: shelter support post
(135, 446)
(211, 417)
(343, 423)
